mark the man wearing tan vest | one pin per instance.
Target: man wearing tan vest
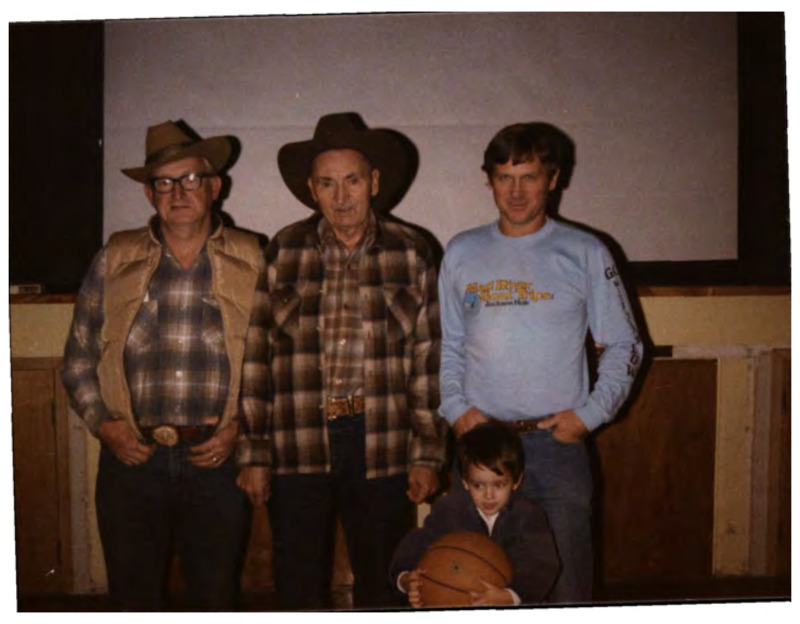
(153, 366)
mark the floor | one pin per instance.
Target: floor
(643, 592)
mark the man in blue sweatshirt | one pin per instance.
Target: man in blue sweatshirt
(518, 299)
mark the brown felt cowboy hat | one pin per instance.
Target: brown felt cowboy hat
(388, 151)
(171, 141)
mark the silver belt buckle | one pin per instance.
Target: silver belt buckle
(166, 435)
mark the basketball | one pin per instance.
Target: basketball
(454, 565)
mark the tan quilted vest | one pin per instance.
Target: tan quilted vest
(132, 258)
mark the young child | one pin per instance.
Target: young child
(490, 461)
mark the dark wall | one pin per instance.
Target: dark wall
(763, 254)
(55, 152)
(763, 149)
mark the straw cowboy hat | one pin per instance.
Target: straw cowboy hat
(171, 141)
(388, 151)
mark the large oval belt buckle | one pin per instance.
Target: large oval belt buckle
(166, 435)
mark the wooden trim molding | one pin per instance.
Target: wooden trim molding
(712, 291)
(35, 363)
(17, 299)
(640, 291)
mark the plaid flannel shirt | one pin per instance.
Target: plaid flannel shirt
(283, 403)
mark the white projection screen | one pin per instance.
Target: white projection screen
(650, 100)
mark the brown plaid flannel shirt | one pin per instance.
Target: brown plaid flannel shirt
(283, 403)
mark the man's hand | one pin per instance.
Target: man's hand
(490, 596)
(411, 582)
(121, 440)
(566, 426)
(422, 483)
(469, 419)
(216, 449)
(254, 481)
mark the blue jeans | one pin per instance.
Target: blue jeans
(375, 515)
(558, 476)
(148, 512)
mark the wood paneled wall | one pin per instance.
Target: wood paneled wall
(693, 481)
(41, 477)
(655, 507)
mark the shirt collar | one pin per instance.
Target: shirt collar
(327, 236)
(489, 520)
(157, 236)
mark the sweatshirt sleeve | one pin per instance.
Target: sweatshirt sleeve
(454, 402)
(614, 330)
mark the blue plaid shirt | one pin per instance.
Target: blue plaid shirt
(176, 364)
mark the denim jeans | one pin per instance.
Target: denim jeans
(558, 476)
(375, 515)
(148, 512)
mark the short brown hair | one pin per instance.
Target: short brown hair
(524, 142)
(492, 445)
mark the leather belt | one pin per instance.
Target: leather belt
(525, 425)
(340, 407)
(170, 435)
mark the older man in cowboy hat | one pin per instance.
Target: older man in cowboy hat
(152, 365)
(345, 420)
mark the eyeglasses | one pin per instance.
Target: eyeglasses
(188, 182)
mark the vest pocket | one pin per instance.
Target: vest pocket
(212, 333)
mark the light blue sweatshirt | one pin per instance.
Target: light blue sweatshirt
(515, 314)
